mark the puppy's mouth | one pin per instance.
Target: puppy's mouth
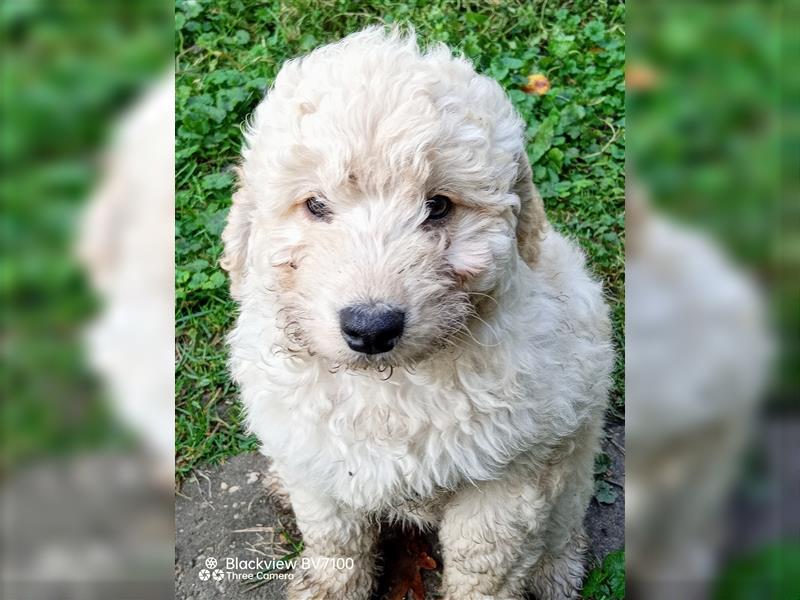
(405, 356)
(384, 363)
(379, 337)
(406, 353)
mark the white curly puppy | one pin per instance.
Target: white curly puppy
(415, 342)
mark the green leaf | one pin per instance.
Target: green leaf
(512, 63)
(192, 8)
(216, 280)
(196, 265)
(216, 114)
(476, 18)
(214, 221)
(518, 96)
(544, 138)
(217, 181)
(560, 44)
(602, 462)
(607, 581)
(595, 30)
(556, 157)
(499, 73)
(197, 280)
(604, 493)
(259, 83)
(308, 41)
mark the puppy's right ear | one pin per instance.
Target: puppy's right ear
(236, 238)
(531, 220)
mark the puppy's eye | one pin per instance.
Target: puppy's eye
(317, 208)
(438, 207)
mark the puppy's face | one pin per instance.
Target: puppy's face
(382, 278)
(382, 211)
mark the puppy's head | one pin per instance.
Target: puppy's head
(384, 193)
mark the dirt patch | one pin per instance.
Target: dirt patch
(224, 513)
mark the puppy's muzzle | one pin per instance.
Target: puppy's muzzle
(371, 328)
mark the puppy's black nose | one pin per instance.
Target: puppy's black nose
(371, 328)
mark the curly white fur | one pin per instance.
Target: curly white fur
(484, 419)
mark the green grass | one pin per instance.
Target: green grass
(228, 52)
(772, 571)
(606, 581)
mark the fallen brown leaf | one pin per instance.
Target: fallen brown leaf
(406, 558)
(537, 85)
(641, 77)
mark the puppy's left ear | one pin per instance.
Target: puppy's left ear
(531, 220)
(236, 238)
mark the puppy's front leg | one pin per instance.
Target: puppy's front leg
(491, 538)
(338, 560)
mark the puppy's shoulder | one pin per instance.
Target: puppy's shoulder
(562, 275)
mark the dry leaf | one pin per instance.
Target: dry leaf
(405, 563)
(640, 77)
(537, 85)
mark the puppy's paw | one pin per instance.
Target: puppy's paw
(276, 492)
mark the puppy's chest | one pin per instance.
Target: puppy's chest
(396, 451)
(379, 457)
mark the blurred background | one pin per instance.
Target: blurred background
(713, 435)
(85, 482)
